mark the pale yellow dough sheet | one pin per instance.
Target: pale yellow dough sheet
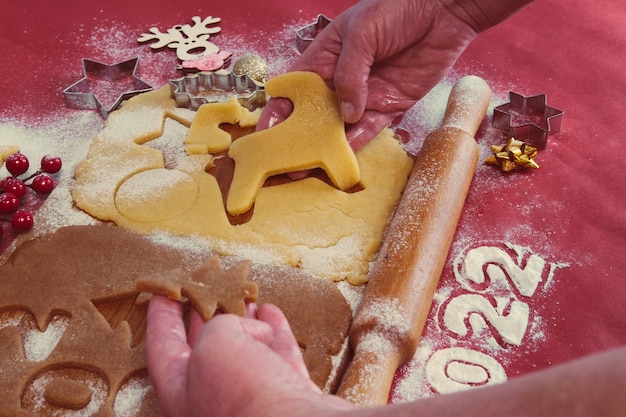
(307, 223)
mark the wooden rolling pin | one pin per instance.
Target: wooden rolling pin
(390, 318)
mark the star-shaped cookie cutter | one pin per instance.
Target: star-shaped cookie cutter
(192, 91)
(528, 118)
(102, 80)
(306, 34)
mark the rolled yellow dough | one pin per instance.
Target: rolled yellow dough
(307, 224)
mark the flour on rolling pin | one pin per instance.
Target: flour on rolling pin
(389, 321)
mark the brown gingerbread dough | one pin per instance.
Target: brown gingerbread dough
(69, 312)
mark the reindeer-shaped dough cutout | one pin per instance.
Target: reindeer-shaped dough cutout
(313, 136)
(186, 39)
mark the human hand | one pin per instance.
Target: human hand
(381, 57)
(229, 366)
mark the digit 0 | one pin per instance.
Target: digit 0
(457, 369)
(65, 390)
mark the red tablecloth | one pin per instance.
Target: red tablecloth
(568, 216)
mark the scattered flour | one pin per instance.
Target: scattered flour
(479, 323)
(39, 345)
(130, 397)
(34, 394)
(444, 362)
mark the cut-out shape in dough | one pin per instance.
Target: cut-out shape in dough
(308, 223)
(95, 349)
(205, 135)
(124, 311)
(61, 392)
(208, 288)
(159, 194)
(313, 136)
(64, 393)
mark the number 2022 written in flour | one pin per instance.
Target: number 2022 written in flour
(487, 312)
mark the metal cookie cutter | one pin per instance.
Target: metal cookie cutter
(101, 80)
(306, 34)
(528, 118)
(191, 91)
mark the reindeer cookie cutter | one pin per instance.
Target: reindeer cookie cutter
(189, 41)
(191, 91)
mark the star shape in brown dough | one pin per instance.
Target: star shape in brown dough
(209, 288)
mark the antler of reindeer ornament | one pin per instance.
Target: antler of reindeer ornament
(190, 42)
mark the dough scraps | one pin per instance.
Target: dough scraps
(309, 224)
(205, 135)
(209, 288)
(69, 317)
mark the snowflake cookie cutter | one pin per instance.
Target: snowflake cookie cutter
(193, 90)
(100, 80)
(306, 34)
(528, 118)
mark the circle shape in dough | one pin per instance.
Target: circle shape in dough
(156, 195)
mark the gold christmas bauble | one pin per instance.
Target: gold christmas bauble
(252, 65)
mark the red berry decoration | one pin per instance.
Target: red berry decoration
(14, 185)
(12, 188)
(51, 164)
(42, 184)
(22, 221)
(17, 164)
(9, 202)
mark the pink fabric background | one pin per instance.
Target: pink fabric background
(571, 210)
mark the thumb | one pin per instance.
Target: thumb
(275, 111)
(167, 351)
(351, 75)
(352, 71)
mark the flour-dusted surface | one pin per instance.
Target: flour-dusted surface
(569, 212)
(71, 351)
(309, 224)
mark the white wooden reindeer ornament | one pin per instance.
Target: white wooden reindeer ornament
(190, 42)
